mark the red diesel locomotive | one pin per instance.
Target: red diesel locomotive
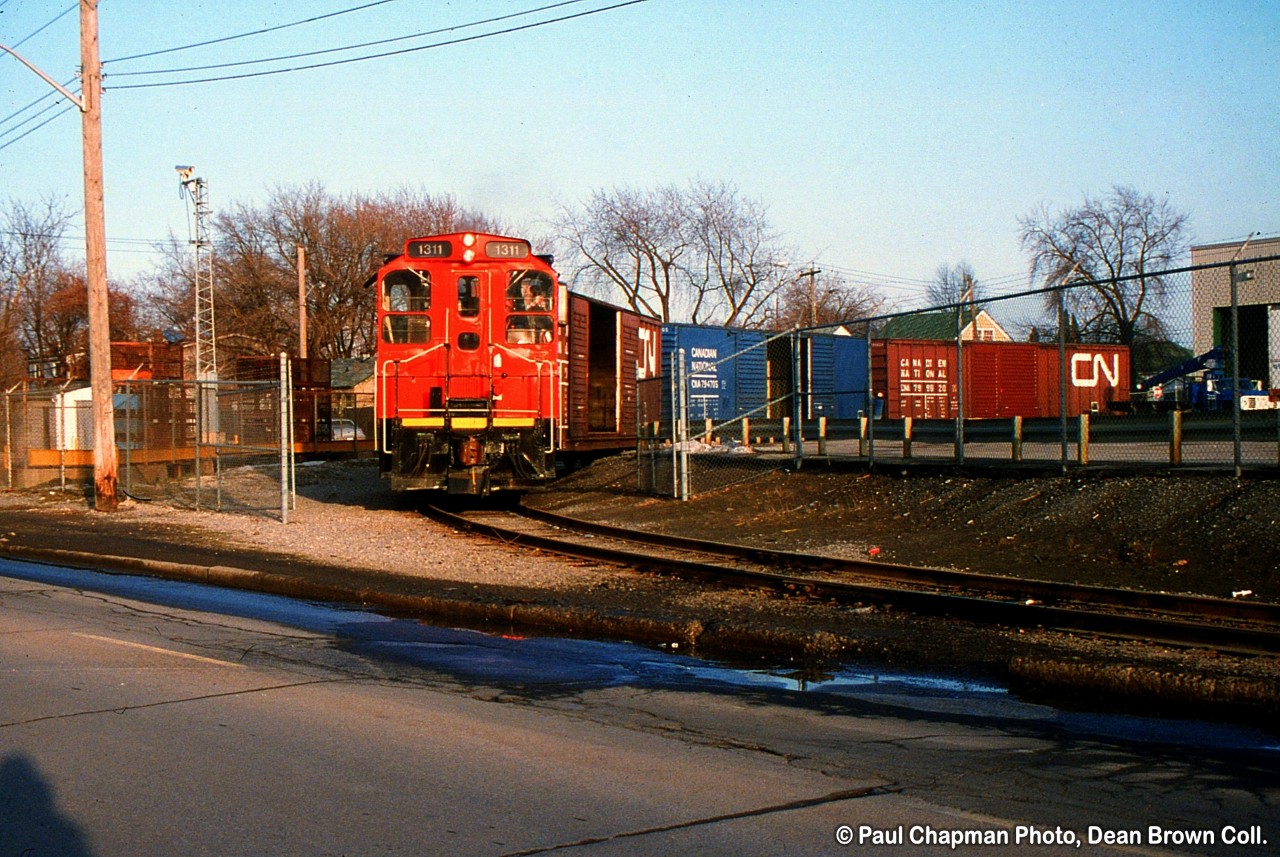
(489, 370)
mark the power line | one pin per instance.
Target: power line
(47, 25)
(385, 54)
(64, 110)
(248, 34)
(33, 117)
(354, 47)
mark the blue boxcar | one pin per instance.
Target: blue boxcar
(736, 373)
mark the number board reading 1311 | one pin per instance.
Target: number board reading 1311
(506, 249)
(430, 249)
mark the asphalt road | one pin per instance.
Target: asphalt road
(142, 717)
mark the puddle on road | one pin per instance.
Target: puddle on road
(558, 665)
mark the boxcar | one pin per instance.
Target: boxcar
(734, 373)
(917, 378)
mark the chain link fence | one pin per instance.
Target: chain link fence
(226, 445)
(1175, 369)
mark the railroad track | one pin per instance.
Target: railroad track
(1226, 625)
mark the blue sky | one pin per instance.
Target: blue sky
(886, 138)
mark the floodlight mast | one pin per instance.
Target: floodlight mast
(206, 330)
(90, 104)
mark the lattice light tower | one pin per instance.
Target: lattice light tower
(206, 330)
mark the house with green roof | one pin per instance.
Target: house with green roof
(941, 324)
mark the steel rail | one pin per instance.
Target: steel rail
(1251, 628)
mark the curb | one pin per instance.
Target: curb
(689, 633)
(1142, 689)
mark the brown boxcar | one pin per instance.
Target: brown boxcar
(917, 378)
(609, 350)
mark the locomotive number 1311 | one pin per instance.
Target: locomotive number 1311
(506, 250)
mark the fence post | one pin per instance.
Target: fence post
(1175, 438)
(286, 448)
(199, 446)
(1083, 447)
(675, 422)
(786, 435)
(906, 437)
(1062, 368)
(1235, 368)
(868, 424)
(959, 453)
(746, 432)
(8, 438)
(797, 406)
(684, 428)
(822, 435)
(1015, 451)
(128, 439)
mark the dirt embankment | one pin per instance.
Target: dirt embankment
(1208, 534)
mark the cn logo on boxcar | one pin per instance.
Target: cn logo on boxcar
(1088, 370)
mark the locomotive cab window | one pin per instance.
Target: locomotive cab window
(529, 291)
(404, 329)
(526, 329)
(406, 291)
(468, 296)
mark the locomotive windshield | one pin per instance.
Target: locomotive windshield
(524, 329)
(406, 291)
(529, 291)
(407, 294)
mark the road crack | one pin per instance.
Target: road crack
(126, 708)
(790, 806)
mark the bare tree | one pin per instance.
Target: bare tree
(66, 315)
(953, 284)
(633, 242)
(1115, 246)
(31, 235)
(344, 238)
(824, 299)
(703, 253)
(740, 265)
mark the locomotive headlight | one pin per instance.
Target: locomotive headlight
(468, 240)
(468, 255)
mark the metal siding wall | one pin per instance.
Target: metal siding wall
(710, 382)
(918, 379)
(629, 359)
(1018, 382)
(982, 380)
(1096, 374)
(822, 377)
(851, 376)
(579, 360)
(750, 369)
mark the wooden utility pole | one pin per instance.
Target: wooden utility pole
(95, 230)
(812, 274)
